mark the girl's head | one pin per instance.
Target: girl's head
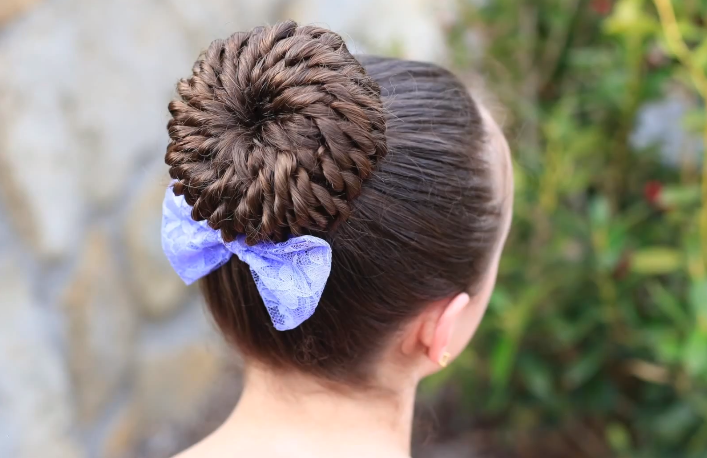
(279, 132)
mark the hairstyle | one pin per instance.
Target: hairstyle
(280, 131)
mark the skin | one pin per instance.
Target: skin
(295, 416)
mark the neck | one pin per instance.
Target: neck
(295, 413)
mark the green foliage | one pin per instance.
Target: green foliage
(599, 321)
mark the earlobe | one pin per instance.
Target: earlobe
(442, 333)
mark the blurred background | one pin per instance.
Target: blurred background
(595, 343)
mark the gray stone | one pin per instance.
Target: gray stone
(11, 9)
(405, 28)
(177, 361)
(101, 328)
(123, 432)
(128, 68)
(179, 434)
(38, 153)
(85, 102)
(175, 382)
(122, 75)
(155, 283)
(36, 417)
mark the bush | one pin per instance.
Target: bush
(596, 338)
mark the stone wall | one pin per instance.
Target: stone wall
(103, 351)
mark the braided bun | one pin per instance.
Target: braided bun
(274, 133)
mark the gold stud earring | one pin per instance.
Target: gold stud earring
(444, 359)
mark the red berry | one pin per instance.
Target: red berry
(651, 191)
(602, 7)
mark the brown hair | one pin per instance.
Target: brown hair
(281, 131)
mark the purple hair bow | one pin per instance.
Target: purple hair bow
(290, 276)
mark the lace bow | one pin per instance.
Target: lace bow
(290, 276)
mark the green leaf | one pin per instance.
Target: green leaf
(668, 346)
(500, 300)
(630, 19)
(695, 353)
(680, 197)
(618, 437)
(699, 54)
(570, 332)
(675, 422)
(537, 377)
(502, 360)
(599, 212)
(698, 302)
(656, 260)
(694, 120)
(584, 368)
(668, 304)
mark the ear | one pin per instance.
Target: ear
(436, 335)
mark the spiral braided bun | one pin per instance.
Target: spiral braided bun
(274, 133)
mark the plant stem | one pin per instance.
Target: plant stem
(682, 52)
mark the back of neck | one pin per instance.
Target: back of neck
(293, 415)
